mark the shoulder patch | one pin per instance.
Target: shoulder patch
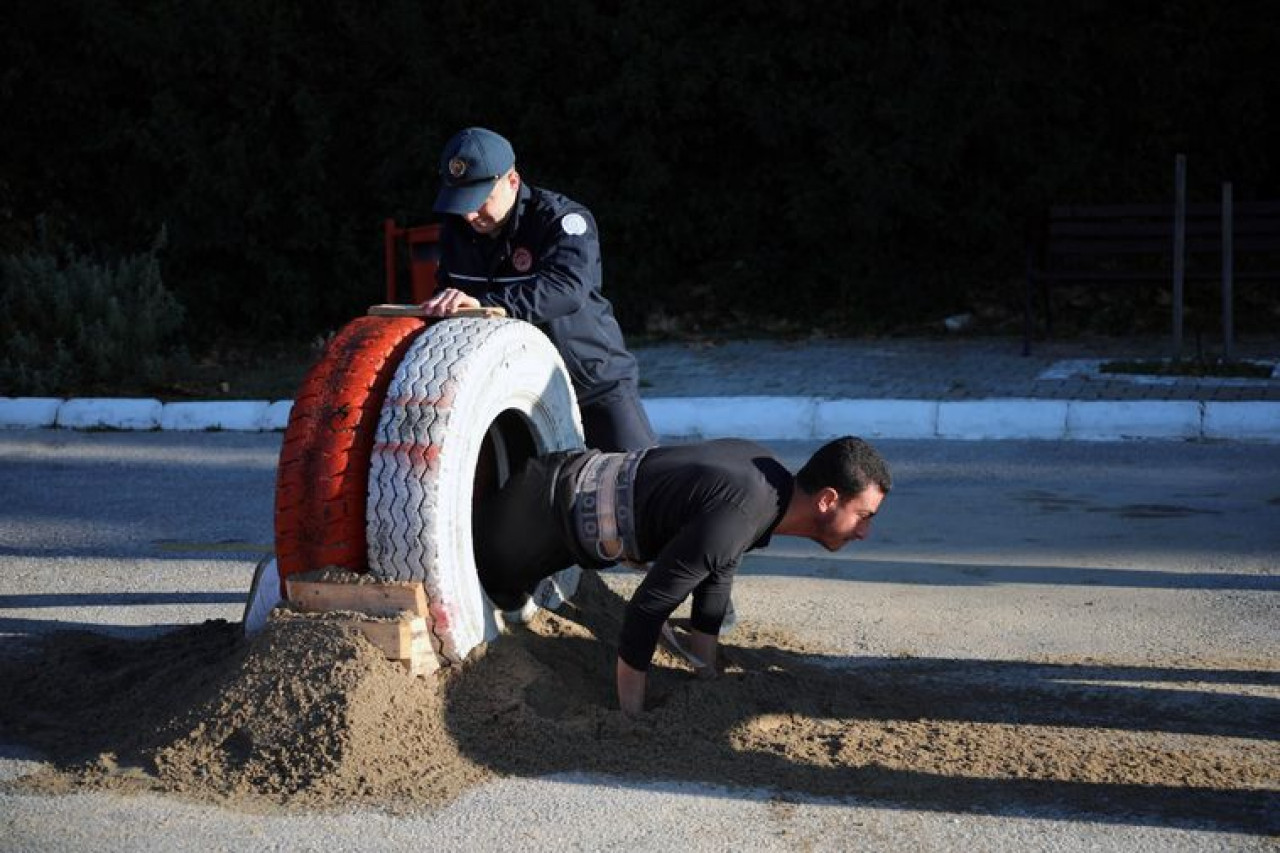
(574, 224)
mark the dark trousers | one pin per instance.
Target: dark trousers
(519, 532)
(616, 422)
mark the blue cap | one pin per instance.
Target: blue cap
(470, 166)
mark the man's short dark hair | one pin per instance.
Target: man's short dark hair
(847, 465)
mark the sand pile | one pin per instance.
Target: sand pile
(306, 715)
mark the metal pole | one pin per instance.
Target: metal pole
(1179, 247)
(389, 256)
(1228, 271)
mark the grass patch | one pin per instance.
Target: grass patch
(1190, 367)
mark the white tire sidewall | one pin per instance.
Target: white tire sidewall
(453, 383)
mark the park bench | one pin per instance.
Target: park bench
(1128, 245)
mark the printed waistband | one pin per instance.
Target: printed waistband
(604, 506)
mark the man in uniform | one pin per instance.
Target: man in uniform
(690, 510)
(536, 254)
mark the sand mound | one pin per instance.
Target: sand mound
(306, 714)
(310, 715)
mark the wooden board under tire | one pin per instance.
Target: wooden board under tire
(383, 599)
(323, 474)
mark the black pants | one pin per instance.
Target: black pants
(616, 422)
(520, 533)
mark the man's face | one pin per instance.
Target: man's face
(845, 520)
(497, 207)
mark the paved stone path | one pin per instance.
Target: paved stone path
(936, 369)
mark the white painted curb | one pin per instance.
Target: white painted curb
(277, 415)
(743, 417)
(1012, 418)
(876, 419)
(28, 412)
(777, 418)
(109, 413)
(1111, 420)
(244, 416)
(1248, 420)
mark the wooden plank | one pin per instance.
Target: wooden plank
(376, 599)
(394, 639)
(1152, 228)
(422, 658)
(390, 310)
(1141, 211)
(406, 641)
(1080, 246)
(1263, 225)
(1112, 211)
(1110, 277)
(1110, 247)
(1253, 208)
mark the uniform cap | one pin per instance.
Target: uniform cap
(470, 166)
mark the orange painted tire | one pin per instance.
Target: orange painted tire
(323, 474)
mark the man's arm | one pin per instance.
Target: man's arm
(447, 299)
(631, 684)
(632, 681)
(448, 302)
(702, 556)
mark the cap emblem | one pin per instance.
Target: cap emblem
(457, 167)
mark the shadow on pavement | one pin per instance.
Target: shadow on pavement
(977, 574)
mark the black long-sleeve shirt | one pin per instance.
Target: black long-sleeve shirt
(698, 508)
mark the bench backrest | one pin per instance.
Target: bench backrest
(421, 245)
(1076, 236)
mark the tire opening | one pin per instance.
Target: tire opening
(508, 444)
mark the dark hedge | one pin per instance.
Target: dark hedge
(851, 165)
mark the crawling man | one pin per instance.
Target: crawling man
(690, 511)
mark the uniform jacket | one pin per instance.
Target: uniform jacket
(543, 266)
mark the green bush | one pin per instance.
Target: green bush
(854, 165)
(73, 325)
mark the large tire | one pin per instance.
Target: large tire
(323, 474)
(471, 399)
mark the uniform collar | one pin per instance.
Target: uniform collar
(522, 200)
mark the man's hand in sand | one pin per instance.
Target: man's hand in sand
(448, 302)
(631, 683)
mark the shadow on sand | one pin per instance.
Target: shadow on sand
(1190, 748)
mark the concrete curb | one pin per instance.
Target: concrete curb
(111, 413)
(777, 418)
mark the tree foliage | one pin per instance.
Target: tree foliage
(853, 165)
(67, 321)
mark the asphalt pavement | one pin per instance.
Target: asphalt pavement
(129, 516)
(1151, 561)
